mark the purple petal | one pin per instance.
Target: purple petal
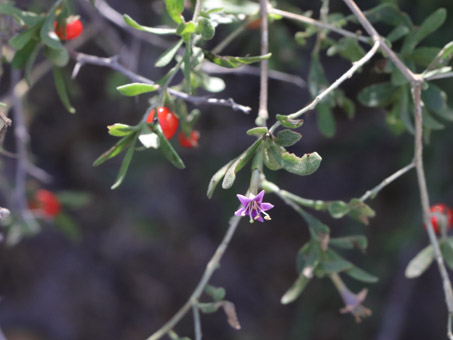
(266, 206)
(239, 212)
(260, 219)
(259, 198)
(243, 199)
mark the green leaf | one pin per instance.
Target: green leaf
(434, 98)
(308, 258)
(57, 56)
(402, 106)
(47, 32)
(30, 62)
(217, 178)
(423, 55)
(302, 166)
(154, 30)
(420, 263)
(325, 119)
(347, 48)
(397, 33)
(217, 293)
(295, 290)
(238, 164)
(174, 9)
(61, 89)
(338, 209)
(350, 242)
(331, 262)
(208, 308)
(257, 131)
(186, 29)
(121, 130)
(360, 211)
(233, 62)
(361, 275)
(288, 122)
(125, 164)
(167, 149)
(315, 225)
(22, 17)
(134, 89)
(287, 138)
(114, 150)
(20, 40)
(445, 54)
(205, 29)
(168, 55)
(388, 13)
(68, 227)
(74, 199)
(22, 56)
(317, 80)
(446, 246)
(268, 156)
(378, 95)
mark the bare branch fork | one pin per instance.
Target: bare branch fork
(82, 59)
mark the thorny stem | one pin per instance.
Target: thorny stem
(82, 59)
(263, 115)
(210, 269)
(355, 66)
(387, 181)
(319, 24)
(416, 93)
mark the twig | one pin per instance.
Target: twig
(408, 74)
(197, 323)
(355, 66)
(440, 76)
(424, 198)
(387, 181)
(197, 10)
(230, 37)
(210, 269)
(211, 68)
(82, 59)
(263, 115)
(319, 24)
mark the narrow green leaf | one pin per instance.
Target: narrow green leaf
(434, 98)
(20, 40)
(295, 290)
(445, 54)
(337, 209)
(233, 62)
(134, 89)
(402, 106)
(308, 258)
(22, 17)
(420, 263)
(47, 32)
(168, 55)
(23, 55)
(167, 149)
(348, 48)
(268, 156)
(332, 262)
(120, 130)
(174, 9)
(257, 131)
(397, 33)
(446, 246)
(287, 137)
(378, 95)
(238, 164)
(217, 178)
(30, 62)
(350, 242)
(325, 119)
(361, 275)
(68, 227)
(61, 89)
(154, 30)
(57, 56)
(289, 123)
(423, 55)
(317, 80)
(430, 122)
(388, 13)
(187, 67)
(114, 150)
(360, 211)
(125, 164)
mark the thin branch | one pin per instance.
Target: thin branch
(197, 323)
(263, 115)
(408, 74)
(440, 76)
(355, 66)
(82, 59)
(387, 181)
(319, 24)
(197, 10)
(211, 68)
(424, 198)
(210, 269)
(230, 37)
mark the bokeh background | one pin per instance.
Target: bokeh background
(143, 247)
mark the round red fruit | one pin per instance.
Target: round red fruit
(437, 210)
(189, 142)
(167, 121)
(46, 203)
(72, 28)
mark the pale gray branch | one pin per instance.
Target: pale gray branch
(263, 114)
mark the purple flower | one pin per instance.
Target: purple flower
(254, 206)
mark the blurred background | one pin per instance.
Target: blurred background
(138, 252)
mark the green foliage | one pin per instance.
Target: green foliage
(233, 62)
(134, 89)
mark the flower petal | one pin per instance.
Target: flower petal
(239, 212)
(266, 206)
(243, 199)
(259, 198)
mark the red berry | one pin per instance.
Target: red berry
(46, 203)
(71, 29)
(189, 142)
(167, 120)
(444, 210)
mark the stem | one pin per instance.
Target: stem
(416, 93)
(197, 323)
(355, 66)
(319, 24)
(210, 268)
(371, 193)
(230, 37)
(263, 115)
(197, 10)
